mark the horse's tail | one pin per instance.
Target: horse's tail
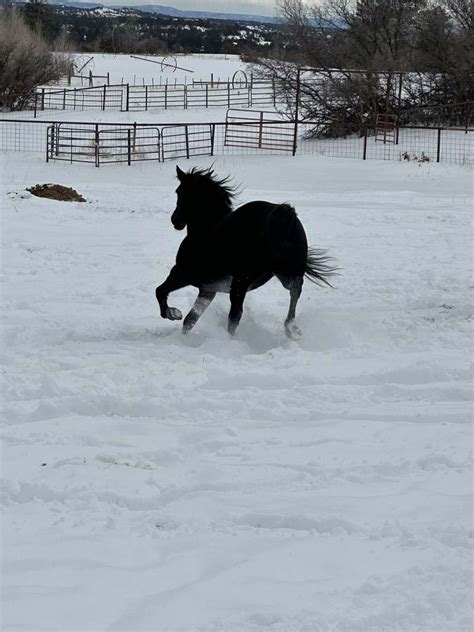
(318, 267)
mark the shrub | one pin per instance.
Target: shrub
(26, 61)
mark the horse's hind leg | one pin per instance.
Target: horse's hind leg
(202, 302)
(238, 290)
(294, 285)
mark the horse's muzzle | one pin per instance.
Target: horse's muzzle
(178, 223)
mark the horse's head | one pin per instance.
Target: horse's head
(179, 218)
(202, 199)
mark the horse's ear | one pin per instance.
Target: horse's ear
(179, 173)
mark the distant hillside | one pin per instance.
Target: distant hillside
(91, 27)
(170, 11)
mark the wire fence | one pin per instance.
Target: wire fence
(243, 133)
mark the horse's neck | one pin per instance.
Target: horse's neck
(212, 218)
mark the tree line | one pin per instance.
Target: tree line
(373, 56)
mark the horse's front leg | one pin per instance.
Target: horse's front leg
(202, 302)
(176, 280)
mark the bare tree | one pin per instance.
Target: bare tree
(362, 50)
(25, 61)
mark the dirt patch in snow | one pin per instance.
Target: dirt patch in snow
(56, 192)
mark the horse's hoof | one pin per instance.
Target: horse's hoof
(172, 313)
(293, 331)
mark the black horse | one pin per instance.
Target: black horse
(236, 251)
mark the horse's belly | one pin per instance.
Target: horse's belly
(218, 285)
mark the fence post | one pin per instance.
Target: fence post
(91, 81)
(297, 111)
(207, 95)
(187, 140)
(127, 97)
(213, 133)
(64, 99)
(104, 97)
(146, 97)
(364, 155)
(108, 78)
(438, 148)
(166, 94)
(260, 131)
(129, 148)
(48, 137)
(42, 99)
(274, 92)
(97, 157)
(185, 88)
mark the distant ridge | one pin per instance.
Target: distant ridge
(171, 12)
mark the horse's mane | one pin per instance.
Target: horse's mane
(219, 187)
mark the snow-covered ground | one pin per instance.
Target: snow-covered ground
(128, 69)
(175, 484)
(158, 116)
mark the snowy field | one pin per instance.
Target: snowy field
(128, 69)
(161, 483)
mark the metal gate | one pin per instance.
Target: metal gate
(258, 130)
(184, 141)
(99, 144)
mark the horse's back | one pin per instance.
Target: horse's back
(266, 235)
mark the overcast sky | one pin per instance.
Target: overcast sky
(255, 7)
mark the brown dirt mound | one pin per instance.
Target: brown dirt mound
(56, 192)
